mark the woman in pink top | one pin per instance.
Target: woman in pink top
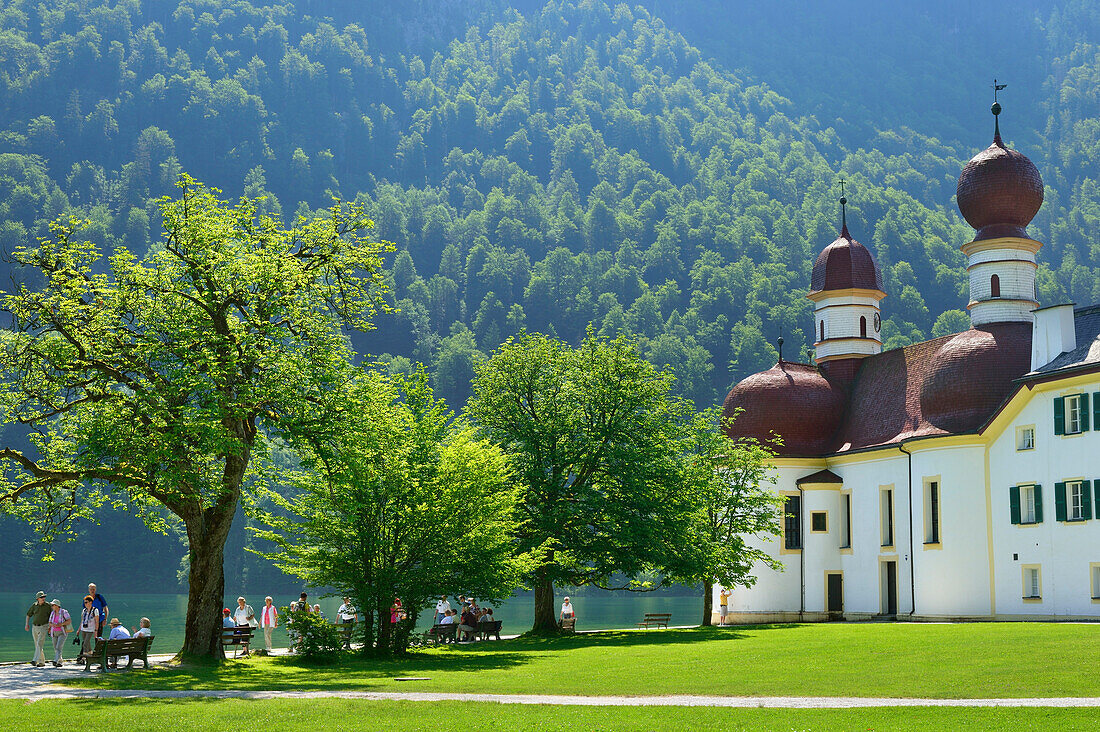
(59, 620)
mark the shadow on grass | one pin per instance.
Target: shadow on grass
(288, 673)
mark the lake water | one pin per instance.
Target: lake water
(167, 613)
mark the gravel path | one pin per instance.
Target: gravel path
(22, 681)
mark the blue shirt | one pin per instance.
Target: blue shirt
(99, 602)
(119, 631)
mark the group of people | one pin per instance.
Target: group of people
(467, 617)
(49, 620)
(267, 620)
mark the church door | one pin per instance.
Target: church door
(835, 591)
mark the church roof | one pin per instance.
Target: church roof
(843, 265)
(947, 385)
(1086, 322)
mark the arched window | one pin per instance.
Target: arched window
(822, 331)
(995, 286)
(862, 327)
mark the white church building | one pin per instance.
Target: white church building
(954, 478)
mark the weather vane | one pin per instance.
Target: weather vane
(996, 110)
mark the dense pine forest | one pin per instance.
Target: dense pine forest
(667, 170)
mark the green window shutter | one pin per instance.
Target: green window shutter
(1038, 503)
(1096, 495)
(1085, 412)
(1096, 410)
(1060, 501)
(1014, 503)
(1059, 415)
(1086, 500)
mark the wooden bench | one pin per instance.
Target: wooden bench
(445, 633)
(655, 619)
(237, 636)
(569, 625)
(487, 628)
(107, 649)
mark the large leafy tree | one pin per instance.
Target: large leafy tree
(152, 382)
(397, 499)
(733, 483)
(596, 441)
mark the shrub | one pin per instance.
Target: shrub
(313, 637)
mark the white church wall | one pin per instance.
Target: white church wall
(1062, 551)
(951, 576)
(863, 565)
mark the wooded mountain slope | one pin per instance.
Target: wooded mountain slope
(553, 166)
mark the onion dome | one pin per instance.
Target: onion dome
(794, 401)
(845, 264)
(971, 373)
(999, 190)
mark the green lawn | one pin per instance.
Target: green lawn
(343, 714)
(838, 659)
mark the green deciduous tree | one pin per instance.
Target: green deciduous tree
(595, 438)
(397, 500)
(153, 383)
(732, 482)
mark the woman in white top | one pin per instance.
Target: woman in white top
(143, 630)
(566, 610)
(89, 625)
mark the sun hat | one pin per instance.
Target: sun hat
(225, 611)
(40, 594)
(114, 621)
(55, 601)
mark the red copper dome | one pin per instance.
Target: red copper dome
(845, 264)
(970, 374)
(999, 192)
(792, 400)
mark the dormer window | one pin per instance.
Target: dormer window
(995, 286)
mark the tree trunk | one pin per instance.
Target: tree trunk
(545, 618)
(206, 535)
(708, 602)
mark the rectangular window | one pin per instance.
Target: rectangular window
(886, 497)
(1033, 582)
(1094, 576)
(846, 522)
(1073, 414)
(1075, 501)
(1027, 504)
(932, 512)
(1025, 438)
(819, 522)
(792, 523)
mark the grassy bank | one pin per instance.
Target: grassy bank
(317, 714)
(860, 659)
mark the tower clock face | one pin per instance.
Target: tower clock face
(878, 323)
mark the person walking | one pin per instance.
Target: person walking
(39, 617)
(89, 627)
(61, 624)
(244, 614)
(269, 621)
(100, 603)
(348, 616)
